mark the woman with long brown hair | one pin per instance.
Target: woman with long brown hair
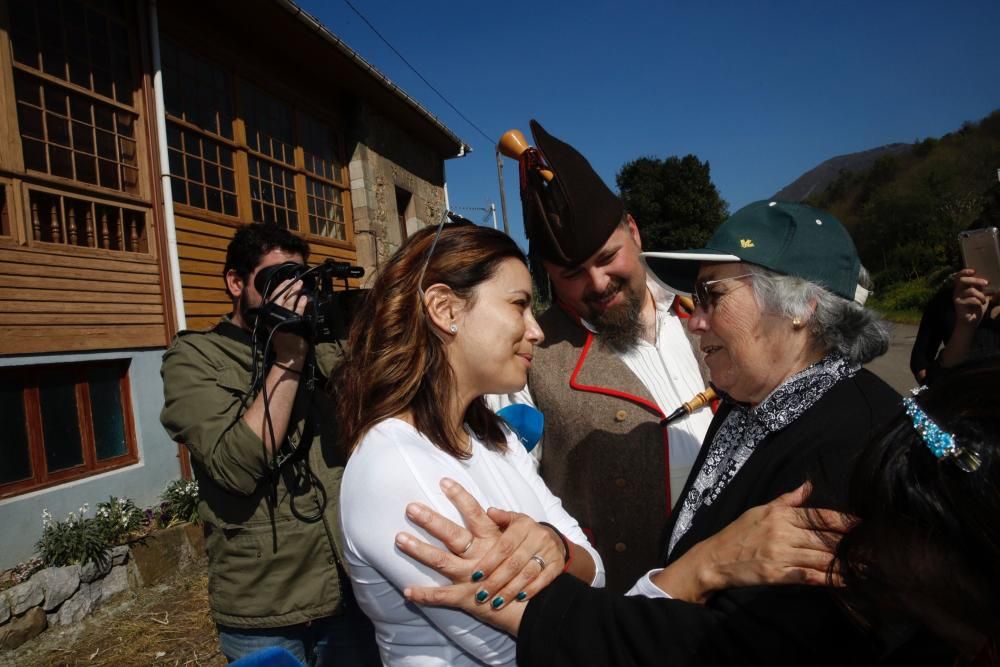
(448, 320)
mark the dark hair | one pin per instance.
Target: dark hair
(395, 361)
(253, 241)
(928, 541)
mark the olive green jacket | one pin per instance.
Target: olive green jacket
(267, 567)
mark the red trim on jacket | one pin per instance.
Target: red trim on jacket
(607, 391)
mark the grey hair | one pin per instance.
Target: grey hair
(836, 324)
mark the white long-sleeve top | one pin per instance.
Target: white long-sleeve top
(395, 465)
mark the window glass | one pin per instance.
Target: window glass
(106, 409)
(326, 210)
(88, 46)
(14, 450)
(68, 134)
(269, 124)
(272, 191)
(196, 90)
(4, 212)
(60, 422)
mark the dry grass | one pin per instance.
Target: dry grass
(163, 625)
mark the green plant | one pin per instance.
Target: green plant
(75, 540)
(80, 539)
(180, 502)
(117, 519)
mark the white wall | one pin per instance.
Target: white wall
(21, 516)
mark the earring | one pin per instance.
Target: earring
(796, 322)
(453, 328)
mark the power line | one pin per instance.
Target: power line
(429, 85)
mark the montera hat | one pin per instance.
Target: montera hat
(567, 219)
(788, 238)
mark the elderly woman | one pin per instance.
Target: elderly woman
(779, 293)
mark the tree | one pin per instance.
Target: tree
(673, 201)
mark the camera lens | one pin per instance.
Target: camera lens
(269, 278)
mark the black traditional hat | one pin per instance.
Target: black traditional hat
(570, 217)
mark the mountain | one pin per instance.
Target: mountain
(905, 204)
(816, 179)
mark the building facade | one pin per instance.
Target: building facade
(134, 138)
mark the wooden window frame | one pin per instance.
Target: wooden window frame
(40, 478)
(238, 79)
(182, 179)
(131, 152)
(132, 106)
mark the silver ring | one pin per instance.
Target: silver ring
(538, 559)
(467, 546)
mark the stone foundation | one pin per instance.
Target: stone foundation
(67, 595)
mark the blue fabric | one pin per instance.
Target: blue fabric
(347, 639)
(526, 422)
(273, 656)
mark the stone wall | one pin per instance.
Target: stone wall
(59, 596)
(388, 158)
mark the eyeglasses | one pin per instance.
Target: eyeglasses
(707, 300)
(430, 253)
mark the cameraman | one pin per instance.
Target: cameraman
(267, 465)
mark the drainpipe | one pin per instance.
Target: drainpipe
(161, 139)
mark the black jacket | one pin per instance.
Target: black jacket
(572, 624)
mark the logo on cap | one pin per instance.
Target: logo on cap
(746, 243)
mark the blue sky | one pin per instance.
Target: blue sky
(762, 90)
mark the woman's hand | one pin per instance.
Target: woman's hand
(777, 543)
(970, 302)
(970, 298)
(501, 556)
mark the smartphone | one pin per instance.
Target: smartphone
(981, 251)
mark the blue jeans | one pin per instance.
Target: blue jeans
(345, 639)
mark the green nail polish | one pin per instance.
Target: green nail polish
(481, 596)
(522, 596)
(477, 575)
(497, 602)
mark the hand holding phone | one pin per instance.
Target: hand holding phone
(970, 299)
(981, 251)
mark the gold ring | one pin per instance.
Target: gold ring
(538, 559)
(467, 546)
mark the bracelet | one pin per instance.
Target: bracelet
(567, 547)
(288, 369)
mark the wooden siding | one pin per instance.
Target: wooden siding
(53, 299)
(201, 247)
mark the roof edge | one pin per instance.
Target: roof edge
(309, 20)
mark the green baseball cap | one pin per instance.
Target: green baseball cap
(788, 238)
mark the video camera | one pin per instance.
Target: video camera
(325, 317)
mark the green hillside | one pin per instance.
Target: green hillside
(905, 212)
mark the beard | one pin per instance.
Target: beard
(620, 327)
(245, 306)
